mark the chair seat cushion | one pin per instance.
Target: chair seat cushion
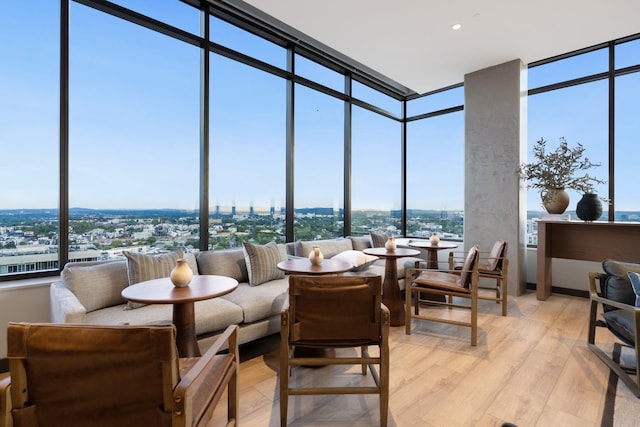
(440, 280)
(620, 322)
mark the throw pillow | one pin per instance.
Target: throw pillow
(262, 261)
(142, 267)
(635, 283)
(328, 247)
(378, 240)
(358, 260)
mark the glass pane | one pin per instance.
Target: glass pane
(580, 115)
(247, 155)
(574, 67)
(29, 134)
(375, 197)
(435, 102)
(435, 176)
(172, 12)
(628, 54)
(319, 160)
(318, 73)
(133, 138)
(376, 98)
(627, 149)
(242, 41)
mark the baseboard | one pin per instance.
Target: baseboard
(562, 291)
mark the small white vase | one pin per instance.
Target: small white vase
(181, 274)
(316, 256)
(390, 244)
(434, 239)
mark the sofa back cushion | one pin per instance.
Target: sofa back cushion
(97, 285)
(226, 262)
(360, 242)
(262, 262)
(143, 267)
(328, 247)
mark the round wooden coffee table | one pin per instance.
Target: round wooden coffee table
(391, 296)
(162, 291)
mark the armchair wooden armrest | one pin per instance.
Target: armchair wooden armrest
(196, 396)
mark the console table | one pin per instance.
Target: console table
(588, 241)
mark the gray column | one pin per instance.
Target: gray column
(495, 142)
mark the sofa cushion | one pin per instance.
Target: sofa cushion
(635, 284)
(617, 285)
(192, 262)
(378, 240)
(357, 259)
(97, 285)
(360, 242)
(260, 302)
(328, 247)
(226, 262)
(143, 267)
(211, 315)
(262, 261)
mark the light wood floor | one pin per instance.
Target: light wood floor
(531, 368)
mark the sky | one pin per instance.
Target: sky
(134, 132)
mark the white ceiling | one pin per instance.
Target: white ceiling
(412, 42)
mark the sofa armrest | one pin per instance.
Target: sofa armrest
(65, 306)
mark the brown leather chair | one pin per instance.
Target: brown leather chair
(79, 375)
(493, 265)
(461, 283)
(329, 312)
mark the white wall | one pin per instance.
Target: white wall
(22, 301)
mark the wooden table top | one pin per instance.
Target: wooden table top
(304, 266)
(162, 291)
(425, 244)
(398, 253)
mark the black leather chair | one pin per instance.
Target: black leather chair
(613, 291)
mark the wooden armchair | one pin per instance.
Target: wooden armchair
(492, 265)
(461, 283)
(79, 375)
(612, 291)
(335, 312)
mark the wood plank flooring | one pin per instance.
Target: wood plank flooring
(531, 368)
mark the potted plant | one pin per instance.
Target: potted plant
(559, 170)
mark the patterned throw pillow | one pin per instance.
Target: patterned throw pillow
(142, 267)
(262, 261)
(635, 283)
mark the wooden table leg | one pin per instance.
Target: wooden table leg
(184, 320)
(391, 296)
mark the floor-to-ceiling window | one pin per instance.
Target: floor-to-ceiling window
(247, 155)
(376, 175)
(133, 138)
(318, 165)
(29, 108)
(571, 97)
(435, 164)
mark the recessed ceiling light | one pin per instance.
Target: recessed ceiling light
(456, 26)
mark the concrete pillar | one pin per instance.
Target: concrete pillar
(495, 142)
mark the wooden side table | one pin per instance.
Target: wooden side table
(391, 296)
(162, 291)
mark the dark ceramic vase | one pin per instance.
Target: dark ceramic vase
(589, 208)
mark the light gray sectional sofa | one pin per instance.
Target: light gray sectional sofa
(91, 292)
